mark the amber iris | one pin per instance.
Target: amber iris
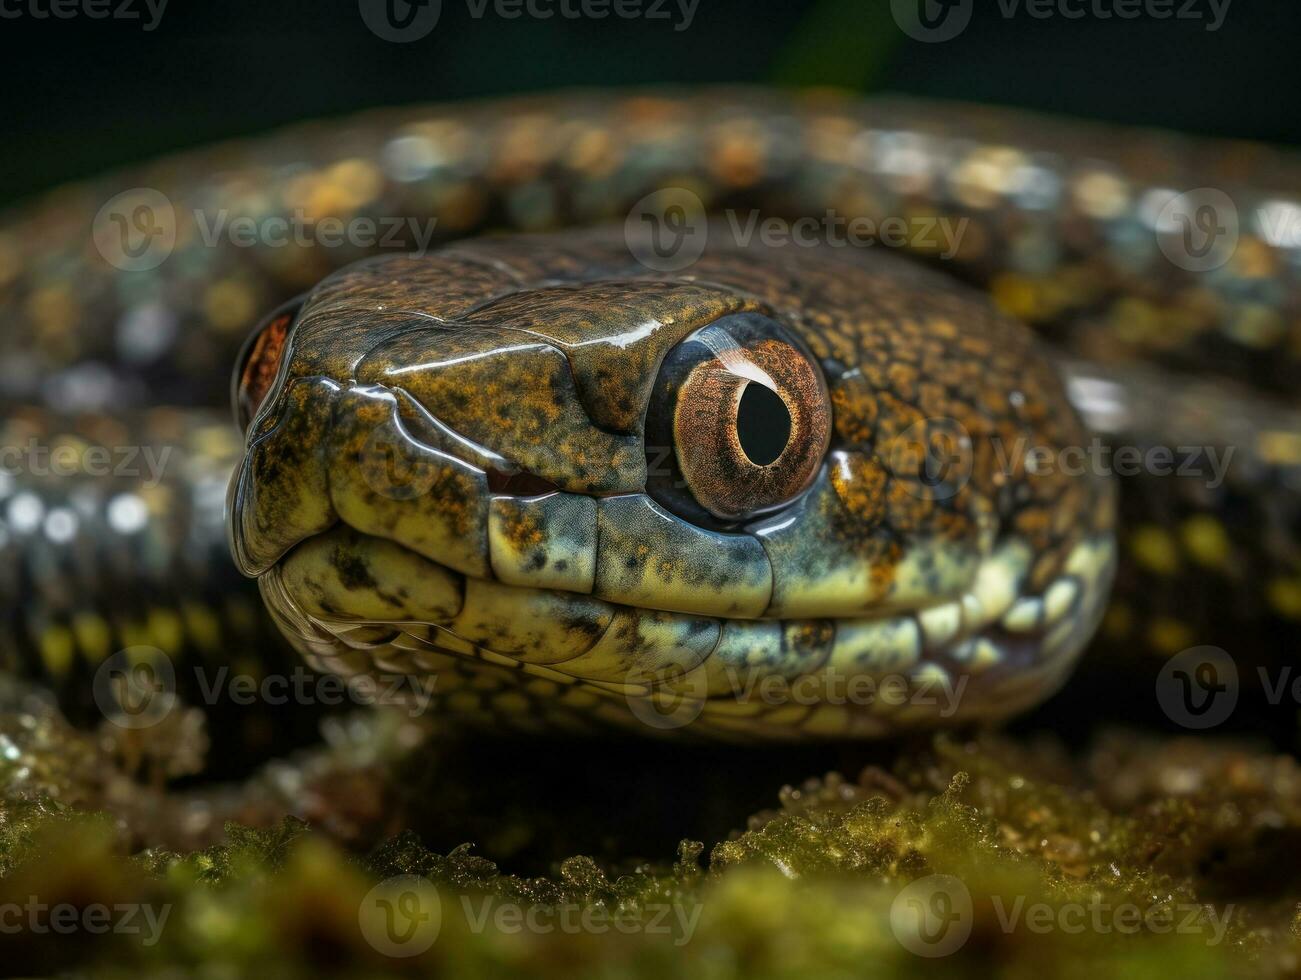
(747, 414)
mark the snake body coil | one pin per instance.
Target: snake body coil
(565, 479)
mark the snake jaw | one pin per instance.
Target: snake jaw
(388, 503)
(984, 656)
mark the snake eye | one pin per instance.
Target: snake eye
(739, 421)
(259, 362)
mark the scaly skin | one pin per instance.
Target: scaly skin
(541, 354)
(1060, 233)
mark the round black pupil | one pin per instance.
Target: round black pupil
(763, 425)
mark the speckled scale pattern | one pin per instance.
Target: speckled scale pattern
(870, 537)
(1061, 233)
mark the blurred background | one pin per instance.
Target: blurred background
(81, 95)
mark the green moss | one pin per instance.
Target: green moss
(1194, 834)
(1141, 856)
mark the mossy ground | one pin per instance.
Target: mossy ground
(1141, 856)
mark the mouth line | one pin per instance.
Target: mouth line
(519, 484)
(999, 666)
(944, 625)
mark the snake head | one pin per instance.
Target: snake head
(782, 494)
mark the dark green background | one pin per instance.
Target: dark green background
(82, 95)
